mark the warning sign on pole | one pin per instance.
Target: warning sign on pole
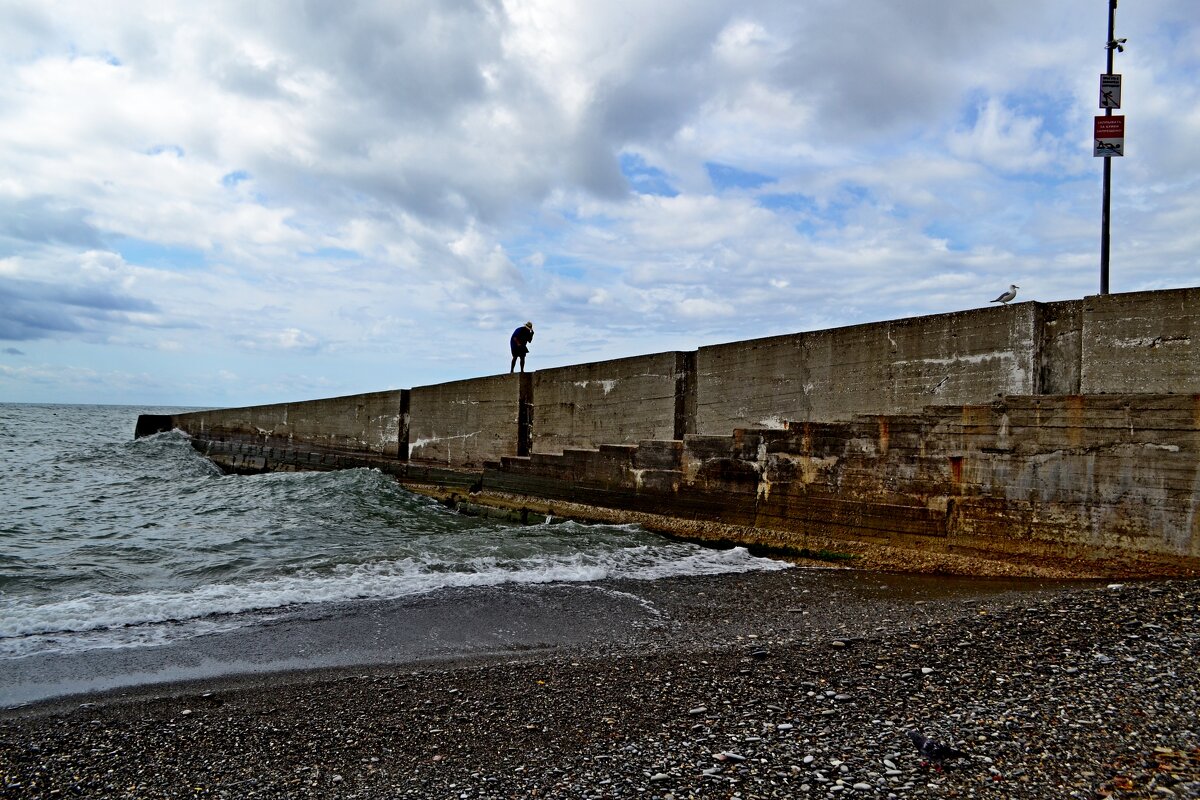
(1110, 91)
(1109, 137)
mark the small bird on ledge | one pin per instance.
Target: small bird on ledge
(1009, 295)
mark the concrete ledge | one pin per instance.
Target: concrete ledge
(1116, 500)
(369, 423)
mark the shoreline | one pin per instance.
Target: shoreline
(445, 625)
(466, 624)
(749, 685)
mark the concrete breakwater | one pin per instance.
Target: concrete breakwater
(1034, 434)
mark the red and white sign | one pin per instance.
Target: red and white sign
(1109, 137)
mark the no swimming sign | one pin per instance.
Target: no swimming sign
(1109, 137)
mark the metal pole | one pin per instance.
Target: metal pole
(1104, 214)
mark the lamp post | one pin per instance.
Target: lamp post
(1109, 137)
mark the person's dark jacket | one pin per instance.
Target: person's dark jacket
(519, 341)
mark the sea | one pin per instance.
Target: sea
(113, 543)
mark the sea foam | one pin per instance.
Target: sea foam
(152, 617)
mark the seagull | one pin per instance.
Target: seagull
(935, 752)
(1009, 295)
(1116, 44)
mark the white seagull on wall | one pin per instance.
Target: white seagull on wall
(1009, 295)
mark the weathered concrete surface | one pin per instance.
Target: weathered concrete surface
(1092, 474)
(464, 423)
(373, 423)
(1110, 485)
(1060, 348)
(1142, 342)
(888, 367)
(613, 402)
(833, 435)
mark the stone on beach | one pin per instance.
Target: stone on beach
(607, 723)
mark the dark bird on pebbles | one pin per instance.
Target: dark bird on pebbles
(934, 752)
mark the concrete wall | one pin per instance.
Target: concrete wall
(1102, 473)
(888, 367)
(1060, 350)
(1061, 430)
(1105, 485)
(612, 402)
(464, 423)
(372, 423)
(1142, 342)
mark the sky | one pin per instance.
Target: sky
(233, 203)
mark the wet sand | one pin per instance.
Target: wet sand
(496, 622)
(789, 684)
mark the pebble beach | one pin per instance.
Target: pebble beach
(758, 685)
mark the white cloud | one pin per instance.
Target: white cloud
(380, 192)
(1003, 139)
(703, 308)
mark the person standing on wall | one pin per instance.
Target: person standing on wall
(519, 344)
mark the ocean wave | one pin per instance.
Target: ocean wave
(148, 617)
(117, 542)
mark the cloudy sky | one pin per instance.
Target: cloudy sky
(227, 203)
